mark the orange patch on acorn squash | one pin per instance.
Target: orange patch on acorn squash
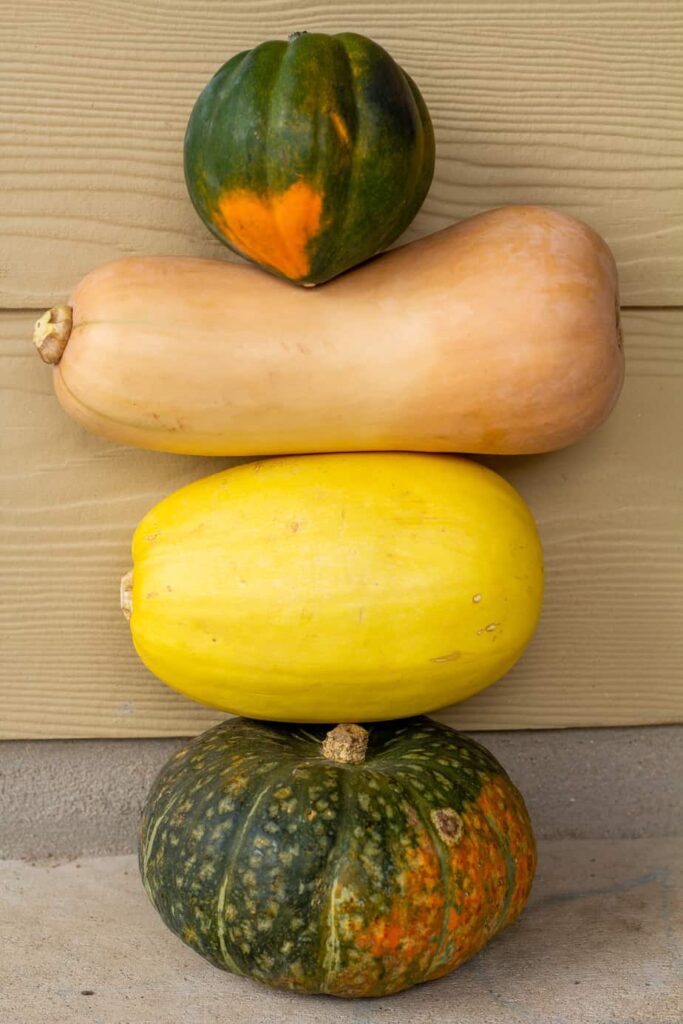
(273, 230)
(340, 127)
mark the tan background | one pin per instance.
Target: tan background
(576, 105)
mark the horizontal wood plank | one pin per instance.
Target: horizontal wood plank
(571, 104)
(609, 649)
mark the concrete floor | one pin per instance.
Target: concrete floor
(600, 942)
(596, 945)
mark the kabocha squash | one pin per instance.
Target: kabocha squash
(309, 156)
(499, 335)
(309, 863)
(336, 587)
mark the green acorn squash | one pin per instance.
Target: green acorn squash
(309, 156)
(303, 860)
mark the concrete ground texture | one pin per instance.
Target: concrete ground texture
(599, 943)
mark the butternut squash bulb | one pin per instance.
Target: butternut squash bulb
(327, 588)
(499, 335)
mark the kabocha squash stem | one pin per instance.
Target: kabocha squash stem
(346, 744)
(52, 332)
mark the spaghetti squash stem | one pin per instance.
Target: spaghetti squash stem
(127, 594)
(52, 332)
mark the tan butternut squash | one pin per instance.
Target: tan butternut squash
(498, 335)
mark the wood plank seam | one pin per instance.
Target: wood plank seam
(608, 649)
(555, 109)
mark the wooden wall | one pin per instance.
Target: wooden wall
(573, 104)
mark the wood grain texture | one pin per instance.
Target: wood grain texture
(609, 649)
(563, 102)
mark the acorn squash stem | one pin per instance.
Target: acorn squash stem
(52, 332)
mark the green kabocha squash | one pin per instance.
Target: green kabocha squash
(354, 862)
(309, 156)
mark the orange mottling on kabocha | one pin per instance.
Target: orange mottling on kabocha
(408, 930)
(273, 230)
(479, 870)
(398, 945)
(422, 931)
(502, 803)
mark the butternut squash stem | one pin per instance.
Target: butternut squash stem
(346, 744)
(52, 332)
(126, 594)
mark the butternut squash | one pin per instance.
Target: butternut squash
(499, 335)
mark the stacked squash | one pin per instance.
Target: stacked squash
(334, 840)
